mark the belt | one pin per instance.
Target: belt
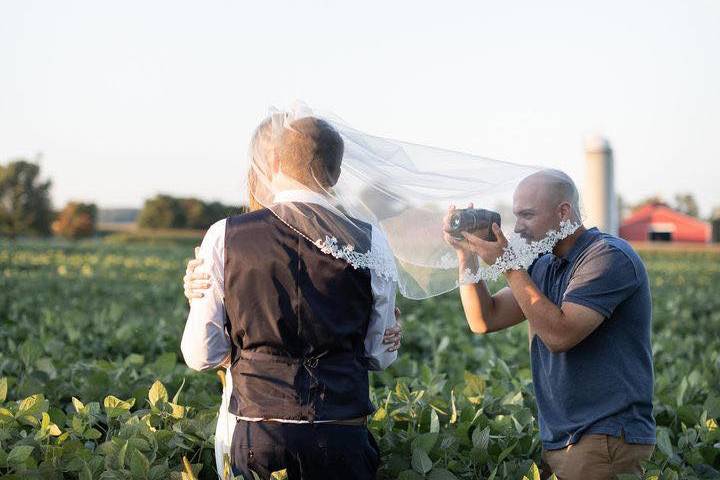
(357, 421)
(350, 421)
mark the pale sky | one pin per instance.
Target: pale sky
(129, 99)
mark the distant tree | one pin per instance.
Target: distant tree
(686, 203)
(76, 220)
(652, 200)
(715, 214)
(196, 213)
(162, 211)
(25, 207)
(217, 211)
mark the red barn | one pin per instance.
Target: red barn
(659, 222)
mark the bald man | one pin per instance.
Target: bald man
(588, 307)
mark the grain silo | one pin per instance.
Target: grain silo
(599, 199)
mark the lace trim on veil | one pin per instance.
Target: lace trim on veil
(382, 262)
(519, 254)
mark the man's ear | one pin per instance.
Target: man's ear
(565, 211)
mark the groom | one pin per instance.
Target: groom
(299, 327)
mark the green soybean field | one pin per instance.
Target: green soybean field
(93, 384)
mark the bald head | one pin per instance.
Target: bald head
(542, 200)
(310, 151)
(551, 188)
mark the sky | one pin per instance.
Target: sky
(120, 101)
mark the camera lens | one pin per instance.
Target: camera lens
(455, 221)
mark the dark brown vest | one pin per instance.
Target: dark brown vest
(297, 317)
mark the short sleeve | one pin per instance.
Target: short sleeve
(603, 280)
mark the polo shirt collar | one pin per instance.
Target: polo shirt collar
(581, 244)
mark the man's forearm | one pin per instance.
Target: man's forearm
(476, 299)
(545, 318)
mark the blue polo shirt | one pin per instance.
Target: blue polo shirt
(604, 384)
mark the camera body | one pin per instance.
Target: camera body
(474, 220)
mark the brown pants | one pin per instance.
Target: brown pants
(596, 457)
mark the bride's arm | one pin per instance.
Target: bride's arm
(195, 282)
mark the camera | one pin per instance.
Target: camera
(474, 220)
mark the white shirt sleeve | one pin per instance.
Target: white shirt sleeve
(382, 315)
(205, 342)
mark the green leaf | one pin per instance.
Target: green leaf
(139, 465)
(30, 351)
(157, 392)
(534, 472)
(159, 472)
(441, 474)
(380, 415)
(85, 473)
(474, 387)
(434, 422)
(121, 455)
(164, 364)
(410, 475)
(92, 434)
(279, 475)
(454, 416)
(115, 407)
(712, 405)
(680, 398)
(420, 461)
(503, 455)
(425, 442)
(79, 406)
(178, 411)
(177, 394)
(663, 442)
(46, 366)
(19, 454)
(33, 405)
(3, 389)
(481, 438)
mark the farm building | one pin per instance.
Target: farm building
(658, 222)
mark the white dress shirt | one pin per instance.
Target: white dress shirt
(206, 343)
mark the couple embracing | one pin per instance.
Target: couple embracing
(296, 299)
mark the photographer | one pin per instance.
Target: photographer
(588, 308)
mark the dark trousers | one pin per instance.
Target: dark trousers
(307, 451)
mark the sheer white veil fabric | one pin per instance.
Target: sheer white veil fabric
(403, 191)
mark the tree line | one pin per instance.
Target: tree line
(26, 209)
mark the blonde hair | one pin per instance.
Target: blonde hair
(259, 150)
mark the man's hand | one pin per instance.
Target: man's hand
(488, 251)
(462, 248)
(193, 282)
(393, 335)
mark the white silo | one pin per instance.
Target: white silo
(599, 199)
